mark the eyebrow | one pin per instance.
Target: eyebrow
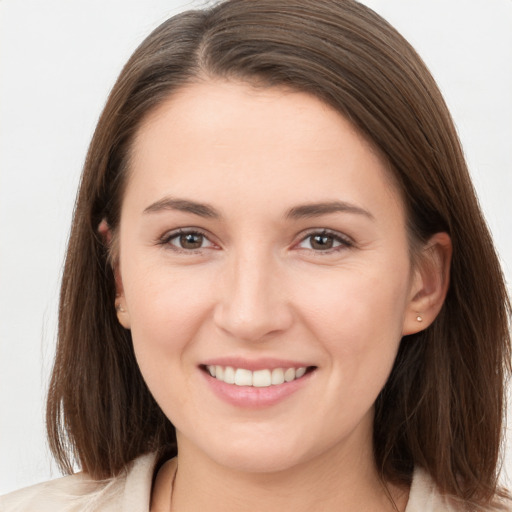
(297, 212)
(319, 209)
(183, 205)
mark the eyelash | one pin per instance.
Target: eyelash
(343, 241)
(168, 237)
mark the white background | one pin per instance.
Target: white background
(58, 60)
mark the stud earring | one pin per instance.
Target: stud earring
(419, 318)
(120, 308)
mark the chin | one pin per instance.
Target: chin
(251, 456)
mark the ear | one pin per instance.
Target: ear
(120, 303)
(431, 278)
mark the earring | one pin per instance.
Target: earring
(419, 318)
(120, 308)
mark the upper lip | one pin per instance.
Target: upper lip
(264, 363)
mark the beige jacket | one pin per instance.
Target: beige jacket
(131, 492)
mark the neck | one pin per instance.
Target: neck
(337, 481)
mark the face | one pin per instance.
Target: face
(262, 241)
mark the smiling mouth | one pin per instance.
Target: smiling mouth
(258, 378)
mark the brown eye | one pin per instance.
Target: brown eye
(321, 242)
(191, 240)
(325, 241)
(187, 241)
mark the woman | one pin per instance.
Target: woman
(279, 271)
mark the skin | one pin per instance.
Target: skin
(259, 287)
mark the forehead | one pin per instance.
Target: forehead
(221, 108)
(209, 135)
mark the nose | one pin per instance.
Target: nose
(253, 304)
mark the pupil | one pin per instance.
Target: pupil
(321, 242)
(191, 241)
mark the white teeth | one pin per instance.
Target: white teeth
(299, 372)
(261, 378)
(229, 375)
(277, 376)
(289, 374)
(243, 377)
(258, 378)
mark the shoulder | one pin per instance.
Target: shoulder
(128, 492)
(425, 497)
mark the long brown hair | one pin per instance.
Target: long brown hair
(443, 405)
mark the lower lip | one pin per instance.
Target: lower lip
(253, 397)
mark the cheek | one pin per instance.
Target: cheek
(358, 318)
(362, 297)
(167, 309)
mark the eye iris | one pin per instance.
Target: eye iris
(321, 242)
(191, 240)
